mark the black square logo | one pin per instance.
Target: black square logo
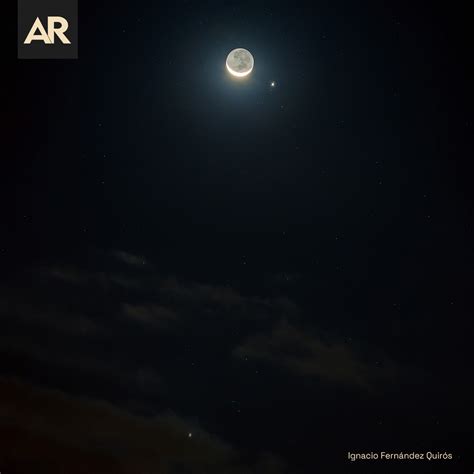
(47, 29)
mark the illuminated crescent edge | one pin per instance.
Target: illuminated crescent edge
(238, 74)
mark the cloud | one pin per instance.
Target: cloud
(96, 278)
(307, 355)
(56, 335)
(129, 259)
(112, 375)
(50, 315)
(86, 329)
(282, 279)
(159, 299)
(151, 315)
(197, 309)
(48, 431)
(202, 293)
(227, 300)
(132, 335)
(65, 273)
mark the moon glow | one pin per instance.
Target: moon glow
(239, 62)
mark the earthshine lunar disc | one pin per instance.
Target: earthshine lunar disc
(239, 62)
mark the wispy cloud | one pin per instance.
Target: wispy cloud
(150, 315)
(46, 431)
(227, 300)
(305, 354)
(129, 258)
(50, 315)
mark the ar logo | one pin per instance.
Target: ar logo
(57, 25)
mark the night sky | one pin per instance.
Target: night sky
(200, 274)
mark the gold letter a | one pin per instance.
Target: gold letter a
(42, 36)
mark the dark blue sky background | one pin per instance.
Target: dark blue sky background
(284, 272)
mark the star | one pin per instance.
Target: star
(272, 84)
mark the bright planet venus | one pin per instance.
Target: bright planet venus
(239, 62)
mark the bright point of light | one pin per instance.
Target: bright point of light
(273, 83)
(190, 435)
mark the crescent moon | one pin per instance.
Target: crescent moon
(239, 62)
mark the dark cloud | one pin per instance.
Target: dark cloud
(225, 300)
(270, 325)
(151, 290)
(137, 342)
(202, 293)
(47, 431)
(305, 354)
(282, 279)
(49, 315)
(151, 315)
(129, 259)
(69, 335)
(93, 338)
(65, 273)
(82, 368)
(98, 278)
